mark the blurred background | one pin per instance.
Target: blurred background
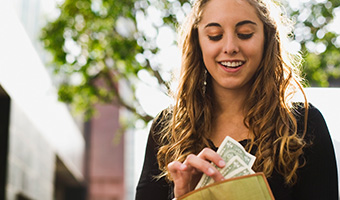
(81, 81)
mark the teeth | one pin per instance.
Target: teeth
(231, 64)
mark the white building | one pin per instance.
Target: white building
(41, 146)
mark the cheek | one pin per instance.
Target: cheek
(209, 59)
(255, 51)
(209, 52)
(257, 54)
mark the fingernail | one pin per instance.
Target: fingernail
(210, 171)
(183, 167)
(221, 163)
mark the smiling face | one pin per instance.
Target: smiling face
(231, 38)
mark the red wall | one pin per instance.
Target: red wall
(106, 159)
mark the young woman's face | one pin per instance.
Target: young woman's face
(231, 38)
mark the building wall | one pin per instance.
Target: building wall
(46, 148)
(31, 160)
(5, 103)
(27, 82)
(106, 159)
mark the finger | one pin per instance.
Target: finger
(180, 179)
(203, 166)
(211, 155)
(175, 167)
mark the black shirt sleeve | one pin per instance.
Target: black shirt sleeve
(318, 179)
(149, 186)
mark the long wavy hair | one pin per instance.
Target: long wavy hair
(270, 113)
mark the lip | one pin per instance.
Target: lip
(231, 69)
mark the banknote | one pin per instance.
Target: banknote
(230, 148)
(238, 161)
(234, 164)
(240, 172)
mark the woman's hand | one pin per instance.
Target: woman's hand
(187, 174)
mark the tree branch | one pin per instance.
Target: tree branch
(120, 101)
(156, 73)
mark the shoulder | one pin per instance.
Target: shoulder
(160, 123)
(318, 158)
(299, 110)
(314, 116)
(317, 132)
(161, 120)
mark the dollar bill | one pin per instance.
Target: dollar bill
(240, 172)
(238, 161)
(233, 165)
(230, 148)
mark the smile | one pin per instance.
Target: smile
(230, 64)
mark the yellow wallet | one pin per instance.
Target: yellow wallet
(248, 187)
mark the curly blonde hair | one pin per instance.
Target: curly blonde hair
(279, 145)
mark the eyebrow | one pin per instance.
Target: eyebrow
(238, 24)
(245, 22)
(213, 24)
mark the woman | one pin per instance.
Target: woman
(237, 79)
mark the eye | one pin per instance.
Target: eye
(215, 37)
(245, 36)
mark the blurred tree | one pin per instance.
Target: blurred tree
(96, 44)
(319, 37)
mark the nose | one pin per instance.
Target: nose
(231, 45)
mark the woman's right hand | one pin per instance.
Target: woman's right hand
(187, 174)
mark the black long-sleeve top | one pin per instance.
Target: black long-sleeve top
(317, 179)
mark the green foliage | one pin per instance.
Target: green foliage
(95, 45)
(319, 41)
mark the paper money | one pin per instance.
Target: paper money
(240, 172)
(230, 148)
(238, 161)
(234, 165)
